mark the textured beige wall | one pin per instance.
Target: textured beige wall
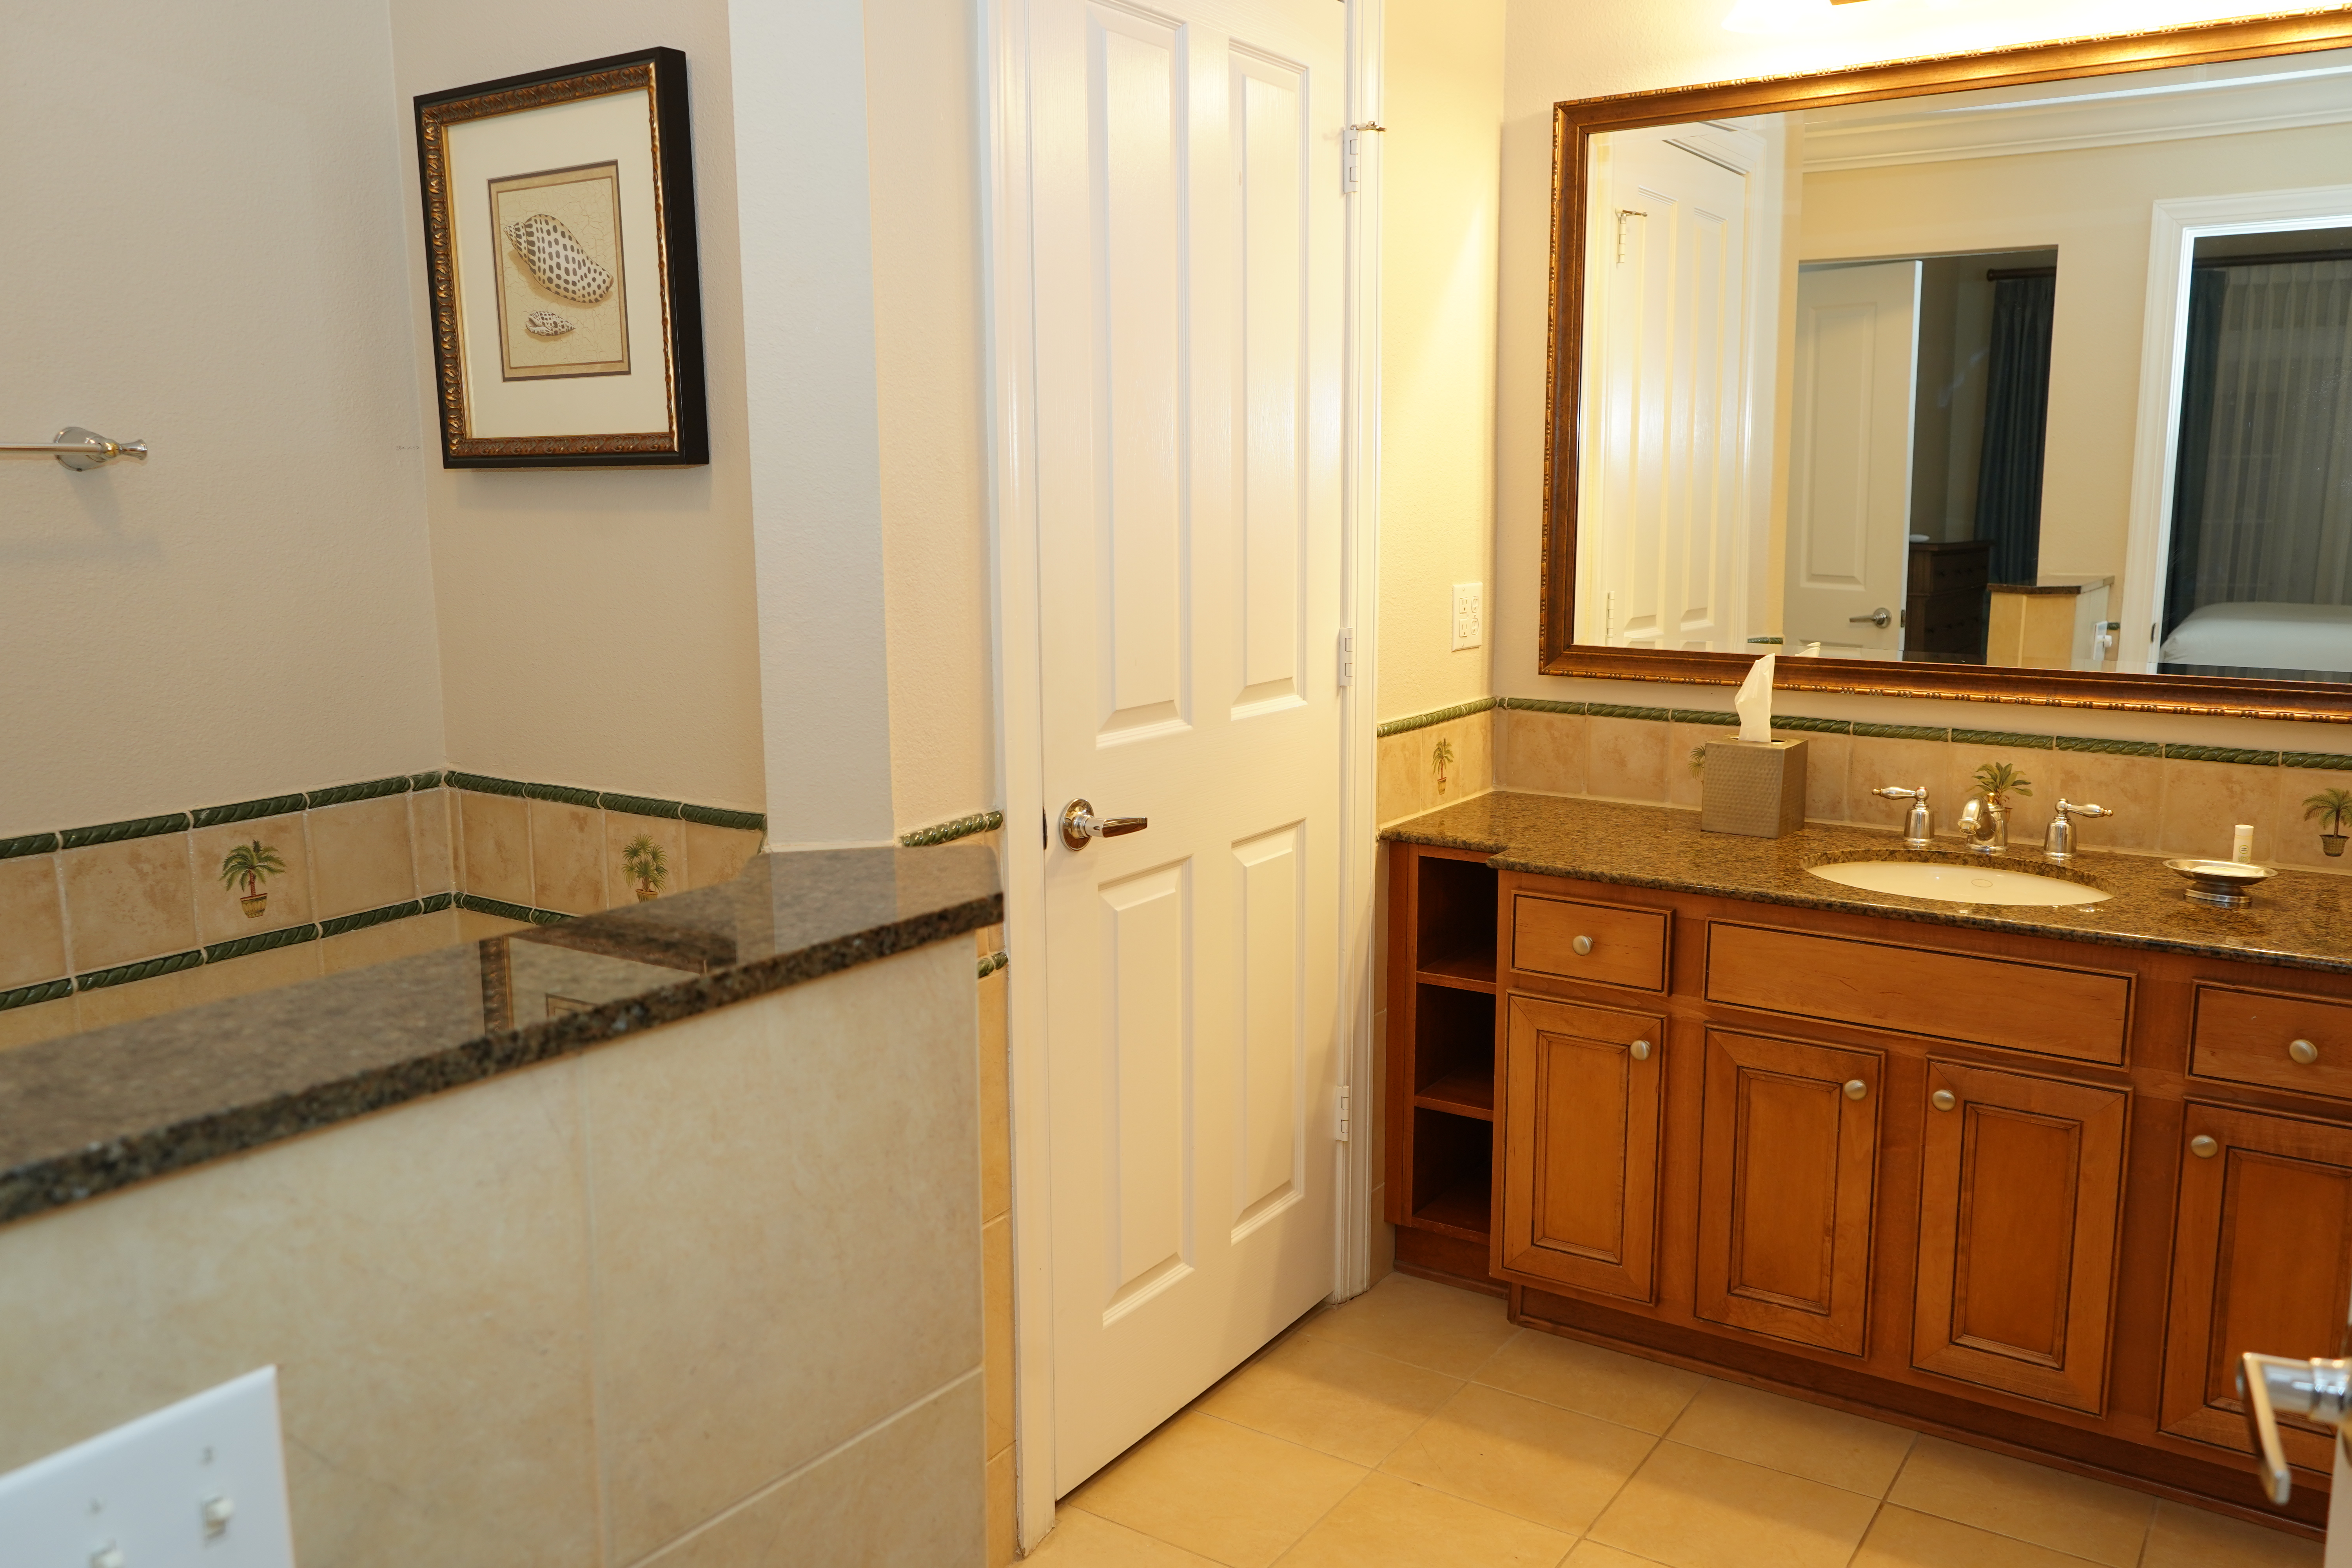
(1440, 190)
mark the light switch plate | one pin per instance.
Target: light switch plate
(200, 1484)
(1469, 614)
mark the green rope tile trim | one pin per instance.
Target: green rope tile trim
(1899, 732)
(993, 963)
(1705, 716)
(948, 832)
(220, 952)
(564, 793)
(1812, 726)
(1613, 711)
(428, 781)
(343, 795)
(2328, 760)
(145, 969)
(1439, 716)
(434, 903)
(507, 912)
(482, 785)
(26, 996)
(30, 844)
(642, 805)
(2110, 748)
(2002, 738)
(342, 925)
(247, 810)
(116, 832)
(718, 817)
(2220, 754)
(1538, 705)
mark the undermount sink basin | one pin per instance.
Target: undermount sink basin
(1970, 884)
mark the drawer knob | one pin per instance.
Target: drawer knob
(1943, 1099)
(2204, 1148)
(1581, 945)
(1855, 1088)
(2303, 1051)
(1641, 1049)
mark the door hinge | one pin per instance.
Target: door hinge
(1347, 657)
(1351, 152)
(1340, 1132)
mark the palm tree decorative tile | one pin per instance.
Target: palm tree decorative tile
(252, 864)
(1441, 757)
(2334, 807)
(643, 859)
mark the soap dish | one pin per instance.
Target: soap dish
(2227, 883)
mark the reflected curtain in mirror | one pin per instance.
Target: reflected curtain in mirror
(2017, 420)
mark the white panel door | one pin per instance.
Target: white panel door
(1850, 458)
(1189, 280)
(1666, 488)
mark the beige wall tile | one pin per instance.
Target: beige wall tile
(474, 926)
(1873, 762)
(757, 1310)
(360, 856)
(1391, 1523)
(128, 1003)
(1626, 759)
(1574, 1376)
(1808, 1440)
(1899, 1538)
(1408, 1320)
(621, 830)
(2027, 1502)
(419, 1279)
(2132, 787)
(2298, 836)
(714, 854)
(996, 1308)
(1228, 1493)
(32, 922)
(1407, 776)
(493, 845)
(128, 901)
(42, 1021)
(1685, 744)
(567, 858)
(253, 972)
(912, 1492)
(1347, 1403)
(2203, 802)
(2029, 815)
(1536, 1460)
(1826, 757)
(393, 938)
(1083, 1540)
(1687, 1508)
(2191, 1538)
(1003, 1511)
(430, 812)
(996, 1090)
(1542, 752)
(221, 914)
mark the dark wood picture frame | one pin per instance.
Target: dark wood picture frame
(1574, 124)
(686, 439)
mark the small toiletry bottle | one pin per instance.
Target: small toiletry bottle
(2241, 844)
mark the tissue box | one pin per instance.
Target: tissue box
(1756, 788)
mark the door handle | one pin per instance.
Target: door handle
(2318, 1390)
(1877, 617)
(1081, 826)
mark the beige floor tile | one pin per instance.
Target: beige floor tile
(1083, 1540)
(1604, 1382)
(1821, 1445)
(2029, 1502)
(1899, 1538)
(1391, 1523)
(1225, 1491)
(1436, 1326)
(1553, 1466)
(1345, 1401)
(1593, 1554)
(2191, 1538)
(1690, 1509)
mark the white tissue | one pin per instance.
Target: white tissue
(1755, 703)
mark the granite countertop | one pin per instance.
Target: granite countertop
(2300, 919)
(92, 1112)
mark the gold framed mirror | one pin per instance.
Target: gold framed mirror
(2006, 377)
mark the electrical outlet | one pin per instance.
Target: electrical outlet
(1469, 614)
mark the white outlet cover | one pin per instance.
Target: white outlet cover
(140, 1494)
(1469, 614)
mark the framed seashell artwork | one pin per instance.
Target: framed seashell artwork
(565, 286)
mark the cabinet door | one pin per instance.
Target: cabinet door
(2020, 1197)
(1788, 1167)
(2262, 1260)
(1580, 1121)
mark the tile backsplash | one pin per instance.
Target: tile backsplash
(126, 920)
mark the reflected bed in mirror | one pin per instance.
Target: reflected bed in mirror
(2027, 373)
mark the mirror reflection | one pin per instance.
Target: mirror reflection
(2056, 376)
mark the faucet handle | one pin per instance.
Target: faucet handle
(1897, 792)
(2066, 808)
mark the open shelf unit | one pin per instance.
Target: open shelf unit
(1440, 1055)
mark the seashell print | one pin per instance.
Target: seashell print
(545, 324)
(557, 260)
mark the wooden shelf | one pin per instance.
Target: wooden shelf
(1460, 1210)
(1461, 1094)
(1465, 971)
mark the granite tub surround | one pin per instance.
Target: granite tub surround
(2298, 919)
(107, 1108)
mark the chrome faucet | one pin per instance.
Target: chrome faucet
(1919, 829)
(1984, 826)
(2058, 844)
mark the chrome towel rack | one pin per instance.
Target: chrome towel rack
(78, 448)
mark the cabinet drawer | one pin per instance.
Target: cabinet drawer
(1606, 943)
(2079, 1013)
(2248, 1037)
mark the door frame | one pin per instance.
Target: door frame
(1007, 219)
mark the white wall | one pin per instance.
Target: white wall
(203, 248)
